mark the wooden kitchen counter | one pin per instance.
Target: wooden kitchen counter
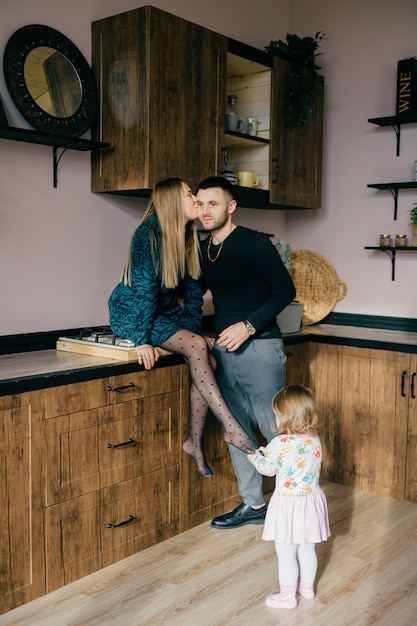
(29, 371)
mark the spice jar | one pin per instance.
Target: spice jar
(400, 241)
(384, 240)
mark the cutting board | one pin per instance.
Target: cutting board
(102, 350)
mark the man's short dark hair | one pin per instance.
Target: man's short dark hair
(218, 181)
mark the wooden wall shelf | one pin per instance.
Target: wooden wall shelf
(395, 121)
(391, 251)
(393, 188)
(49, 139)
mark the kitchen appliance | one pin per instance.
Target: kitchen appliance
(289, 320)
(102, 343)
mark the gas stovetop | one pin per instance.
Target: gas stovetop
(103, 343)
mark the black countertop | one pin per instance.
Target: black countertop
(29, 371)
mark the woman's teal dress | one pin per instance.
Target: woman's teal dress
(146, 311)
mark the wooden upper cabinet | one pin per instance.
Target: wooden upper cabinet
(161, 83)
(296, 154)
(287, 162)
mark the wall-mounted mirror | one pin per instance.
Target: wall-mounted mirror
(49, 81)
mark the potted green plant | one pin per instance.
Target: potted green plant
(301, 53)
(413, 224)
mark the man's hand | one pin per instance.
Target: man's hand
(233, 337)
(147, 356)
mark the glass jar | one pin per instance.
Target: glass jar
(232, 113)
(400, 241)
(384, 240)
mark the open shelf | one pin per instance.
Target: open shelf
(391, 251)
(395, 121)
(240, 140)
(49, 139)
(393, 188)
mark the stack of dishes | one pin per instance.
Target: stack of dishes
(230, 176)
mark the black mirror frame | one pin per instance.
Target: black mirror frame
(20, 44)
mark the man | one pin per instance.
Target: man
(250, 286)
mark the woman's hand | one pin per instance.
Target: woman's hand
(147, 355)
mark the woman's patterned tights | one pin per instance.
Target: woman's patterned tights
(205, 395)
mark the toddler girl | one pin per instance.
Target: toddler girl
(297, 516)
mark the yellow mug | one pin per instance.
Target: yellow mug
(247, 179)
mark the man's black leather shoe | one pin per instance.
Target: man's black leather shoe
(242, 514)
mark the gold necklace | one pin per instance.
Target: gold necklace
(218, 251)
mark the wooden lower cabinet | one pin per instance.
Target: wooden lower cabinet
(297, 364)
(101, 528)
(370, 426)
(22, 558)
(407, 406)
(112, 484)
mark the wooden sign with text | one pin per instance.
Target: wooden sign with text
(406, 87)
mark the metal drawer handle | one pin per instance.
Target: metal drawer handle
(121, 388)
(118, 445)
(403, 375)
(413, 378)
(127, 521)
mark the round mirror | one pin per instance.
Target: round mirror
(53, 82)
(50, 81)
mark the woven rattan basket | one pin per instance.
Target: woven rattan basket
(317, 284)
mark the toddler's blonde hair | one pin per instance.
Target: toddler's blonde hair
(295, 410)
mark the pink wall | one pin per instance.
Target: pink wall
(62, 250)
(364, 42)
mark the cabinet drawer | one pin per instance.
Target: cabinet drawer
(80, 541)
(112, 390)
(143, 384)
(93, 449)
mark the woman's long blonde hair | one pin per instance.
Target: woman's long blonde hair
(296, 411)
(176, 256)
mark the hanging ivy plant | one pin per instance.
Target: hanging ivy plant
(301, 53)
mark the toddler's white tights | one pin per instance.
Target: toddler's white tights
(294, 574)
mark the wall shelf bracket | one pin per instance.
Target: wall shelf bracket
(397, 130)
(393, 189)
(392, 256)
(395, 122)
(56, 159)
(394, 193)
(56, 141)
(391, 251)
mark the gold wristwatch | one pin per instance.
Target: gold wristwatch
(251, 329)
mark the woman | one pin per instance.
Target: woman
(158, 303)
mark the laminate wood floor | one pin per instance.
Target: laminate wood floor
(206, 577)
